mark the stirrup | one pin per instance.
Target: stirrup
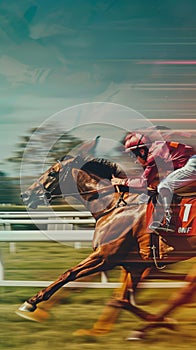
(157, 227)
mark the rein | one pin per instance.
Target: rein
(117, 205)
(83, 193)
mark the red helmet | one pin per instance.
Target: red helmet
(133, 141)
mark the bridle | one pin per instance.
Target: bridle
(46, 193)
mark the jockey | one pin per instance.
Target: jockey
(173, 161)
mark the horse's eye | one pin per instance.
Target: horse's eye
(52, 174)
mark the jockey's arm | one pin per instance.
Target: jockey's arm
(147, 179)
(136, 183)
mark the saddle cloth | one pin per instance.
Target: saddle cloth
(183, 215)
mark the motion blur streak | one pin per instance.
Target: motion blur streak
(168, 62)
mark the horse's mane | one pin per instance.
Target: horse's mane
(97, 166)
(102, 168)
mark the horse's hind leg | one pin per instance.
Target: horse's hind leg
(94, 263)
(184, 296)
(124, 301)
(177, 300)
(121, 297)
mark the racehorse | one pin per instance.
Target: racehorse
(120, 225)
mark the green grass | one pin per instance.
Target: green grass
(79, 308)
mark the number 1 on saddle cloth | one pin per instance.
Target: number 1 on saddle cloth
(183, 217)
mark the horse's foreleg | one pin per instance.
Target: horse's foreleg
(94, 263)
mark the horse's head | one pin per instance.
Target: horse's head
(48, 185)
(76, 176)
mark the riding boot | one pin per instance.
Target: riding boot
(164, 225)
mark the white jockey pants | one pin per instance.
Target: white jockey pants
(180, 177)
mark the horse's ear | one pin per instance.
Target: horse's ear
(88, 147)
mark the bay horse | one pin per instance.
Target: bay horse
(120, 225)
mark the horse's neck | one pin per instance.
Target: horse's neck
(95, 193)
(108, 200)
(106, 205)
(98, 195)
(99, 200)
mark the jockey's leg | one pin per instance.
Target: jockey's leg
(177, 179)
(162, 223)
(166, 196)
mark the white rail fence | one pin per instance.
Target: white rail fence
(64, 226)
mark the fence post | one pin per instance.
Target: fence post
(104, 278)
(5, 226)
(1, 269)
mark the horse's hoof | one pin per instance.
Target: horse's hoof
(136, 335)
(38, 315)
(27, 307)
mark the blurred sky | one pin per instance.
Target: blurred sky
(56, 54)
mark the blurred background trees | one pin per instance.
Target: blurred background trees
(43, 143)
(38, 146)
(9, 189)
